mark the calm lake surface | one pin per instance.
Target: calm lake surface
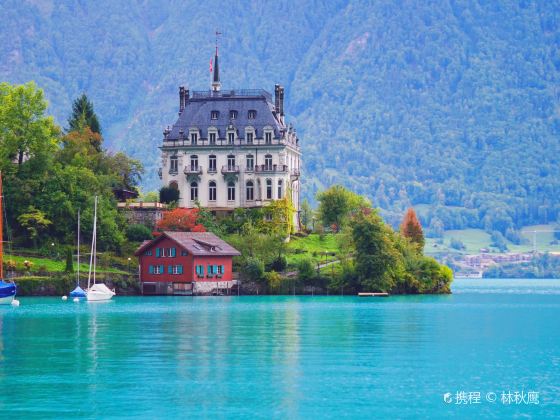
(285, 357)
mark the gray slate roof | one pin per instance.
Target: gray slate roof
(196, 243)
(197, 114)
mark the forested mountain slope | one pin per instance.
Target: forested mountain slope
(453, 104)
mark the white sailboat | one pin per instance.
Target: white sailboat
(97, 291)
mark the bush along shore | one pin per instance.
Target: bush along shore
(60, 284)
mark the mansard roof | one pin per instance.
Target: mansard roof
(198, 109)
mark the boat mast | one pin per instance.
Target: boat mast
(1, 231)
(93, 239)
(78, 278)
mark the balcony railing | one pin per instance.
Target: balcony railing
(225, 143)
(295, 173)
(192, 170)
(211, 170)
(230, 169)
(232, 93)
(271, 168)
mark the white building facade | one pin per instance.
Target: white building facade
(231, 149)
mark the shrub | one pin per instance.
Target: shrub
(253, 269)
(274, 280)
(138, 233)
(306, 270)
(457, 244)
(278, 264)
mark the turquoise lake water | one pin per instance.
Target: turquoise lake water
(285, 357)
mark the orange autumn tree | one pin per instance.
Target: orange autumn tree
(180, 220)
(412, 229)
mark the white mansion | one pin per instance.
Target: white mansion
(231, 149)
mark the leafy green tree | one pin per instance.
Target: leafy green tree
(274, 280)
(376, 256)
(25, 132)
(168, 195)
(34, 221)
(83, 114)
(306, 214)
(138, 233)
(337, 204)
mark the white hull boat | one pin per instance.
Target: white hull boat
(99, 292)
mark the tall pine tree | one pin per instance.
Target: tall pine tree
(412, 229)
(83, 114)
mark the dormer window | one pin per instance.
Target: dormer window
(214, 115)
(268, 137)
(194, 138)
(252, 114)
(231, 138)
(232, 115)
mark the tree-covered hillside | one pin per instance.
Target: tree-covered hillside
(451, 104)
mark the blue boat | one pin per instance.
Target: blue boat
(7, 289)
(78, 292)
(7, 292)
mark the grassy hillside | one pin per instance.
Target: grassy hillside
(445, 104)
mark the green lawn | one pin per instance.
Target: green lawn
(312, 246)
(475, 239)
(55, 266)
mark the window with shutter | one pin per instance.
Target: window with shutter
(173, 252)
(151, 269)
(157, 252)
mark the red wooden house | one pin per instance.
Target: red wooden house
(185, 263)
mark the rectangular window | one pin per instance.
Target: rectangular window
(194, 138)
(212, 163)
(158, 269)
(220, 270)
(148, 252)
(210, 270)
(231, 138)
(184, 253)
(151, 269)
(177, 269)
(173, 252)
(250, 163)
(212, 138)
(250, 138)
(268, 137)
(158, 252)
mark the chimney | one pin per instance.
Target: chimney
(281, 95)
(181, 99)
(277, 98)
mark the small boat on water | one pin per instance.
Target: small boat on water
(97, 291)
(78, 292)
(8, 289)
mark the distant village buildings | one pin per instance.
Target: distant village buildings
(231, 149)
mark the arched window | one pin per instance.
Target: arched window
(212, 163)
(250, 191)
(173, 164)
(212, 191)
(194, 191)
(269, 189)
(231, 191)
(280, 187)
(268, 162)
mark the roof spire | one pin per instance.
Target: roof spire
(216, 85)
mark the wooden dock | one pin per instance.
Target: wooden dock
(372, 294)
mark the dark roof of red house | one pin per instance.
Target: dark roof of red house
(197, 243)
